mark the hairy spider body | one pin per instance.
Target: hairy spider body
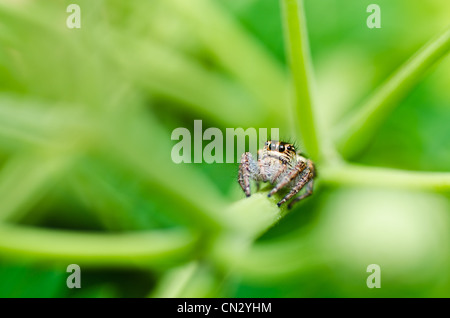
(279, 164)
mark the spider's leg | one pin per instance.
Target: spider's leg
(309, 191)
(300, 184)
(288, 177)
(248, 169)
(312, 169)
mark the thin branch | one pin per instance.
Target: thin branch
(254, 215)
(358, 175)
(297, 48)
(258, 213)
(357, 130)
(154, 249)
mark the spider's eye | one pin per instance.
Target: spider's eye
(289, 147)
(273, 146)
(281, 148)
(266, 144)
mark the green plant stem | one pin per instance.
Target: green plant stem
(297, 48)
(355, 132)
(258, 213)
(142, 249)
(357, 175)
(254, 215)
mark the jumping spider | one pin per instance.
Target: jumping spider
(279, 164)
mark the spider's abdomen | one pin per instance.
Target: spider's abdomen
(269, 167)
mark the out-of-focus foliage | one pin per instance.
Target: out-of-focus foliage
(86, 175)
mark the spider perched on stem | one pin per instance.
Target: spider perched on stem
(279, 164)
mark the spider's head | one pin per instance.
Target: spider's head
(281, 150)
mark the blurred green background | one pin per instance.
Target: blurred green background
(86, 177)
